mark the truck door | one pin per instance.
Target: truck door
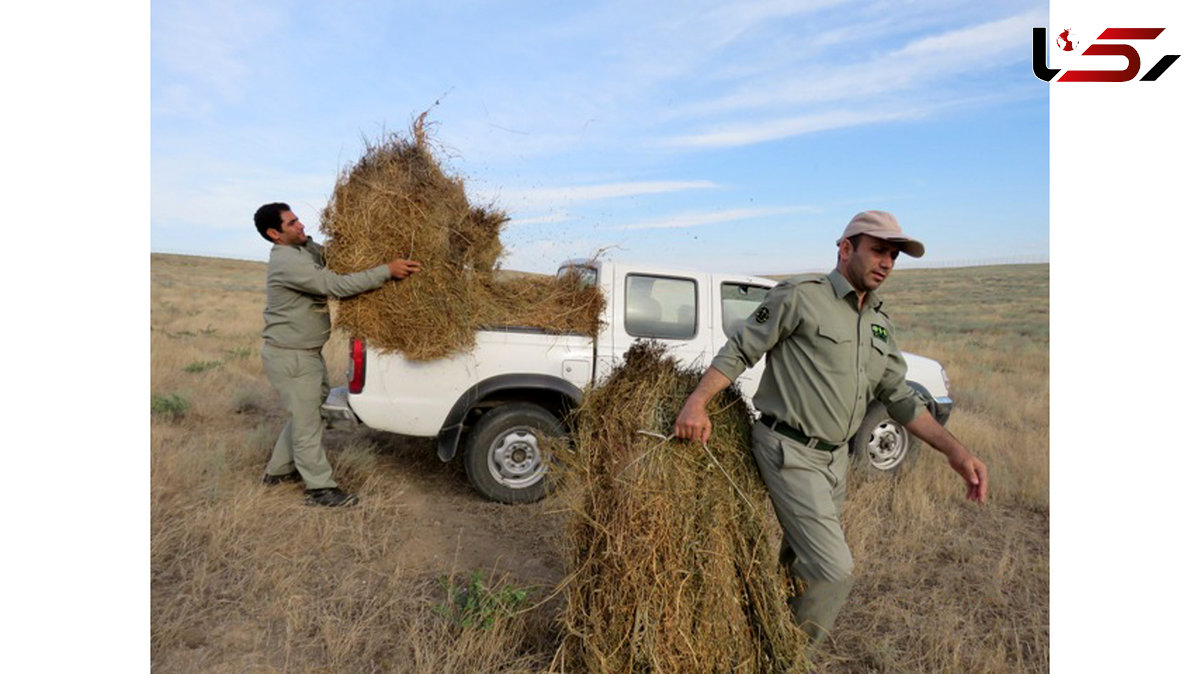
(736, 299)
(669, 308)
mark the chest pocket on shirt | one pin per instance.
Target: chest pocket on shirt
(834, 349)
(877, 359)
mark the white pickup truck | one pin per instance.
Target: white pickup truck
(491, 404)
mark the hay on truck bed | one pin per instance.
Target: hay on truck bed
(671, 568)
(396, 201)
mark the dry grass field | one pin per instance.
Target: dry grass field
(424, 576)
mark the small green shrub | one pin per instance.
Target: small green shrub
(238, 353)
(202, 366)
(475, 605)
(171, 407)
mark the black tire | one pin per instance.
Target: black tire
(882, 446)
(506, 455)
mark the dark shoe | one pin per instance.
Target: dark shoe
(293, 476)
(332, 497)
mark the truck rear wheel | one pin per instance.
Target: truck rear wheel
(507, 455)
(882, 446)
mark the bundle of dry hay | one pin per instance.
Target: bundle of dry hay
(673, 568)
(397, 202)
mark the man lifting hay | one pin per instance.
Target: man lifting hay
(297, 326)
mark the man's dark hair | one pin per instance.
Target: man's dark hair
(269, 216)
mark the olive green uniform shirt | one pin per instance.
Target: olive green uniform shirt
(826, 360)
(297, 313)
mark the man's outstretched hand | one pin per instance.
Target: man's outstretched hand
(973, 472)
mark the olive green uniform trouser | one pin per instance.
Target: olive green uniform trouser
(299, 377)
(807, 488)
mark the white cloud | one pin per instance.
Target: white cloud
(543, 255)
(541, 220)
(747, 134)
(976, 43)
(200, 49)
(544, 197)
(731, 20)
(699, 218)
(903, 83)
(201, 195)
(916, 68)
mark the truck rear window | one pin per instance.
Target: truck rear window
(583, 275)
(661, 307)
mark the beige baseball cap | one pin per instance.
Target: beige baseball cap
(882, 225)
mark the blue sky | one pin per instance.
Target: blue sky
(735, 136)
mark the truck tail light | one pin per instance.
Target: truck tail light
(358, 365)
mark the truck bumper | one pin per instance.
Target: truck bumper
(336, 409)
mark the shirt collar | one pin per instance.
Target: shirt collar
(843, 289)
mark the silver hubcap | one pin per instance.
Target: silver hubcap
(888, 445)
(515, 460)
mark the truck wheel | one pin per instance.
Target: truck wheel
(882, 446)
(505, 458)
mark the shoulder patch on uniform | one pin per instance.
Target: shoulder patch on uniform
(762, 315)
(808, 278)
(879, 331)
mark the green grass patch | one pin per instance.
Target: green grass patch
(238, 353)
(171, 407)
(473, 604)
(202, 366)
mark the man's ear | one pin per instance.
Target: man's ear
(844, 249)
(274, 234)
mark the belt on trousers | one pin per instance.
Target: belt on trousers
(796, 434)
(311, 349)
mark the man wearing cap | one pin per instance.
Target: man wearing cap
(830, 350)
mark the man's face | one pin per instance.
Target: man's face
(867, 266)
(290, 232)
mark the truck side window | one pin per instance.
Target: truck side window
(660, 307)
(738, 301)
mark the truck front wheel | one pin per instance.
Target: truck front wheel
(882, 446)
(506, 453)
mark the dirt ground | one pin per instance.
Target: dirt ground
(448, 525)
